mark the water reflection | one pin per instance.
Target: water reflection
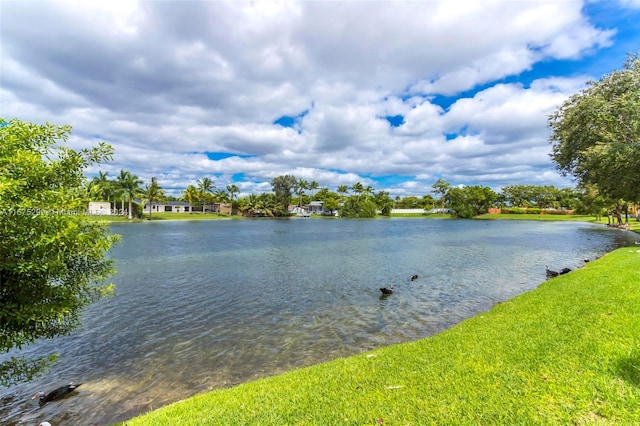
(205, 305)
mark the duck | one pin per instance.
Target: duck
(551, 274)
(56, 393)
(414, 277)
(387, 290)
(564, 271)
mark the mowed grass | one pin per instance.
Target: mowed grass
(545, 217)
(162, 216)
(187, 216)
(565, 353)
(632, 225)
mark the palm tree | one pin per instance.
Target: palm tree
(130, 186)
(233, 190)
(367, 191)
(153, 192)
(244, 204)
(190, 195)
(312, 187)
(267, 204)
(104, 188)
(342, 189)
(205, 187)
(250, 204)
(101, 184)
(220, 196)
(357, 189)
(300, 187)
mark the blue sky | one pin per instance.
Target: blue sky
(389, 94)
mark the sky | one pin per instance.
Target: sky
(391, 94)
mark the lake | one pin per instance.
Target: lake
(202, 305)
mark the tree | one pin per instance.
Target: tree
(471, 201)
(130, 187)
(324, 194)
(283, 187)
(52, 260)
(233, 190)
(411, 202)
(104, 187)
(367, 191)
(300, 187)
(384, 202)
(153, 192)
(517, 195)
(331, 203)
(358, 189)
(342, 189)
(596, 133)
(354, 208)
(267, 205)
(428, 202)
(190, 195)
(592, 202)
(441, 187)
(313, 185)
(264, 204)
(205, 188)
(119, 188)
(220, 196)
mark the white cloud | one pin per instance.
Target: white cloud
(166, 82)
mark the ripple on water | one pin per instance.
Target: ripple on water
(206, 305)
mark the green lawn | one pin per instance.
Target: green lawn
(187, 216)
(565, 353)
(634, 225)
(165, 216)
(422, 215)
(550, 217)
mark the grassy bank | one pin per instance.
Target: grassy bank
(164, 216)
(565, 353)
(634, 225)
(187, 216)
(545, 217)
(421, 215)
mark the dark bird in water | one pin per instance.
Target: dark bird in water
(551, 274)
(586, 260)
(388, 290)
(414, 277)
(56, 393)
(565, 271)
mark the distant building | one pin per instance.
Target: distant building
(317, 207)
(185, 207)
(99, 208)
(408, 211)
(169, 206)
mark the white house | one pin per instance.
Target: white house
(99, 208)
(169, 206)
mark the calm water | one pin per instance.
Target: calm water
(209, 304)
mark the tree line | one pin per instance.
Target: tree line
(356, 201)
